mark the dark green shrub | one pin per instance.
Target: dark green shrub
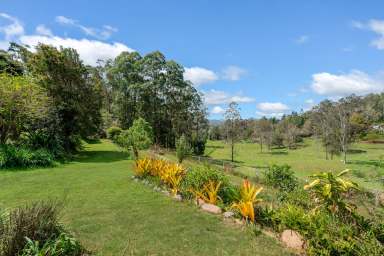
(38, 222)
(113, 132)
(183, 149)
(198, 146)
(281, 177)
(19, 157)
(197, 177)
(266, 216)
(298, 197)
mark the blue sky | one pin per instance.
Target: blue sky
(272, 57)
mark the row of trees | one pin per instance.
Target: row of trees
(49, 99)
(153, 88)
(336, 123)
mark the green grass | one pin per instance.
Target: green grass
(113, 215)
(308, 158)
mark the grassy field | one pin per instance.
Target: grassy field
(113, 215)
(308, 158)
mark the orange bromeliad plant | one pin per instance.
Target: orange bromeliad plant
(248, 199)
(143, 167)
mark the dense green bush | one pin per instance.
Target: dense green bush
(183, 148)
(281, 177)
(198, 146)
(64, 244)
(35, 230)
(20, 157)
(113, 132)
(197, 177)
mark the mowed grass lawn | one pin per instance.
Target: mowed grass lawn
(308, 158)
(113, 215)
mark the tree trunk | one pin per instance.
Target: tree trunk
(135, 153)
(232, 148)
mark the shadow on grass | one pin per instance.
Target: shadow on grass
(356, 151)
(375, 163)
(101, 156)
(279, 153)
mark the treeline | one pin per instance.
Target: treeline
(336, 123)
(50, 101)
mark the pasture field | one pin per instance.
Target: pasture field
(113, 215)
(364, 159)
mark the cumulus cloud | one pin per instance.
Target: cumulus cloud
(376, 26)
(272, 107)
(217, 110)
(355, 82)
(100, 33)
(43, 30)
(13, 27)
(214, 97)
(89, 50)
(198, 75)
(233, 73)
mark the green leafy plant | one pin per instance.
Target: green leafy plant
(281, 177)
(113, 132)
(139, 136)
(329, 191)
(183, 149)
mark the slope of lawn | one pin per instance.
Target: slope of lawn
(364, 159)
(113, 215)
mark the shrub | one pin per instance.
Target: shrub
(293, 217)
(281, 177)
(38, 222)
(298, 197)
(209, 193)
(113, 132)
(182, 148)
(266, 216)
(329, 191)
(19, 157)
(198, 146)
(197, 177)
(248, 199)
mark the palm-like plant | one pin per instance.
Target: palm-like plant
(248, 199)
(209, 193)
(329, 190)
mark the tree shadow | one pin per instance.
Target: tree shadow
(376, 163)
(211, 146)
(101, 156)
(356, 151)
(279, 153)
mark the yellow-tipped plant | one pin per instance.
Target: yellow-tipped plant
(172, 175)
(248, 199)
(143, 167)
(209, 193)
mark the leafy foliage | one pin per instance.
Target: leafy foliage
(12, 156)
(281, 177)
(248, 200)
(113, 132)
(329, 190)
(209, 193)
(137, 137)
(196, 179)
(183, 148)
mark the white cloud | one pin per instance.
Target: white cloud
(15, 28)
(302, 39)
(233, 73)
(100, 33)
(356, 82)
(376, 26)
(89, 50)
(217, 110)
(214, 97)
(198, 75)
(276, 115)
(43, 30)
(272, 107)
